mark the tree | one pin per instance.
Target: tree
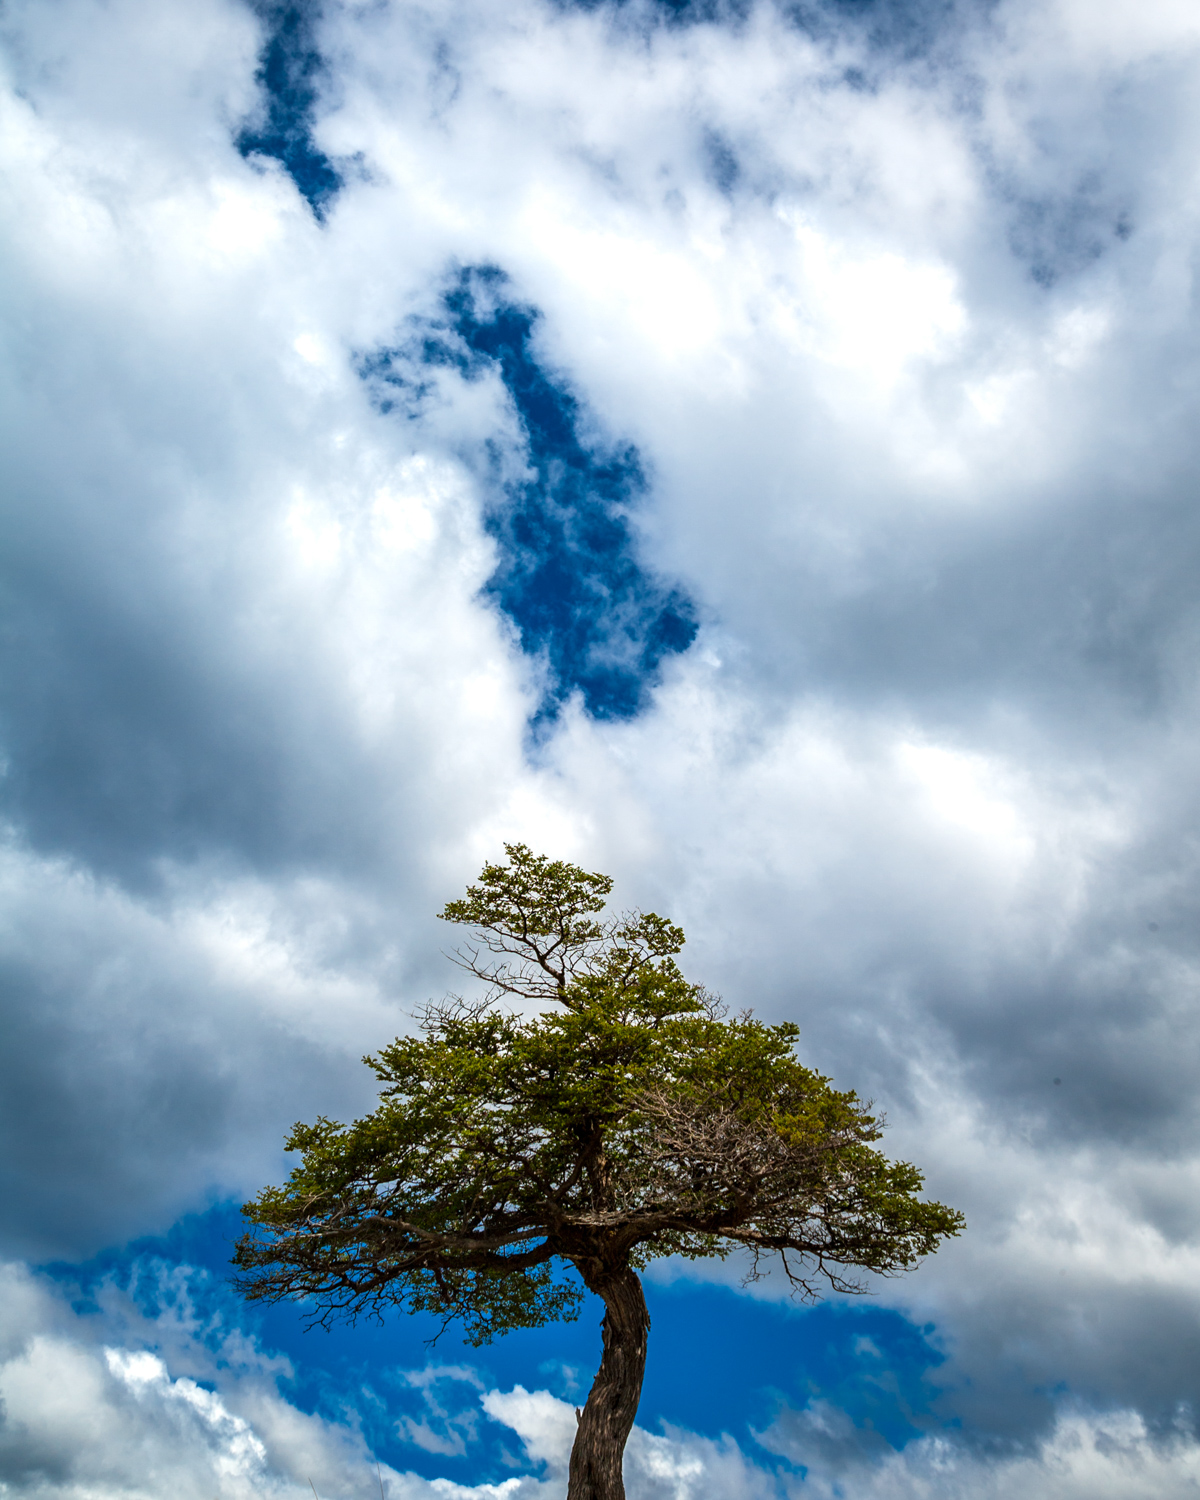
(632, 1119)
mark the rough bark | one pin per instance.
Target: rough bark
(606, 1420)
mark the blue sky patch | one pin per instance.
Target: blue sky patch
(289, 72)
(719, 1361)
(569, 576)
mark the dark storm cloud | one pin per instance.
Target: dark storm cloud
(125, 1058)
(1074, 609)
(130, 738)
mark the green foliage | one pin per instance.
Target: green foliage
(633, 1120)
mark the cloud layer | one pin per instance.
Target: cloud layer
(805, 534)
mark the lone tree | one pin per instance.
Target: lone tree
(631, 1119)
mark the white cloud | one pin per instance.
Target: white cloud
(1086, 1455)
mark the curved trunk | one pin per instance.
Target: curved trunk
(612, 1404)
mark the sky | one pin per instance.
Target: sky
(741, 446)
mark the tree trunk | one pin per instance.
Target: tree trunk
(613, 1401)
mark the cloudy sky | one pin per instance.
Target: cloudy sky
(747, 448)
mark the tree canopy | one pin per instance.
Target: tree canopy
(514, 1157)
